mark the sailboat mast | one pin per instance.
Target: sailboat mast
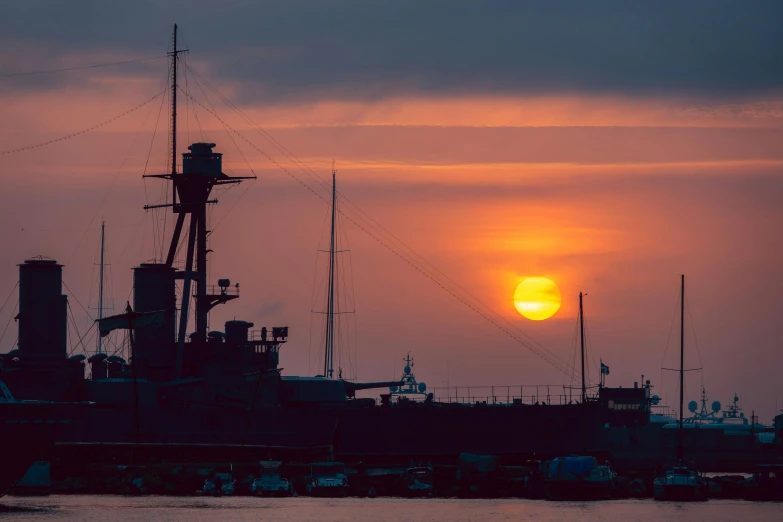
(174, 105)
(329, 355)
(582, 336)
(682, 359)
(100, 286)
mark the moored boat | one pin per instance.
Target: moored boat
(416, 482)
(766, 483)
(219, 485)
(327, 479)
(579, 478)
(680, 483)
(271, 483)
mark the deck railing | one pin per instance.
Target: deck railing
(508, 395)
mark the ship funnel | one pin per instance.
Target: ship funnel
(43, 309)
(237, 331)
(153, 291)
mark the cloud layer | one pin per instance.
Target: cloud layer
(374, 50)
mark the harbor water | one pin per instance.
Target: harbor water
(196, 509)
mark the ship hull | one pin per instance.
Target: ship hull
(351, 432)
(27, 432)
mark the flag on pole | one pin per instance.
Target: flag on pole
(129, 320)
(604, 369)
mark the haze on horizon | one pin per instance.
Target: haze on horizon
(609, 146)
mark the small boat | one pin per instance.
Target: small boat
(416, 482)
(579, 478)
(533, 486)
(271, 483)
(327, 479)
(219, 485)
(680, 483)
(766, 483)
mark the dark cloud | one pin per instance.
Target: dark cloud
(375, 49)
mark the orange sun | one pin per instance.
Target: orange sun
(537, 298)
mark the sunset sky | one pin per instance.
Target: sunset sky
(608, 146)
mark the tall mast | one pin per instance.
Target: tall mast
(202, 170)
(682, 361)
(329, 355)
(100, 286)
(174, 105)
(582, 336)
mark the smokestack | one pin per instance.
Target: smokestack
(154, 291)
(43, 309)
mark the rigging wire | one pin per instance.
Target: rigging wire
(9, 296)
(76, 328)
(236, 146)
(371, 223)
(351, 299)
(113, 181)
(668, 337)
(589, 343)
(342, 297)
(77, 301)
(547, 356)
(572, 354)
(693, 331)
(2, 336)
(79, 133)
(192, 107)
(165, 186)
(313, 296)
(158, 219)
(81, 67)
(147, 161)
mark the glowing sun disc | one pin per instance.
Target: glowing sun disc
(537, 298)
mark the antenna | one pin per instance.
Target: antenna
(100, 287)
(174, 57)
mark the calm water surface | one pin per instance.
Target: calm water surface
(196, 509)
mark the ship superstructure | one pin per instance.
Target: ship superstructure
(409, 388)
